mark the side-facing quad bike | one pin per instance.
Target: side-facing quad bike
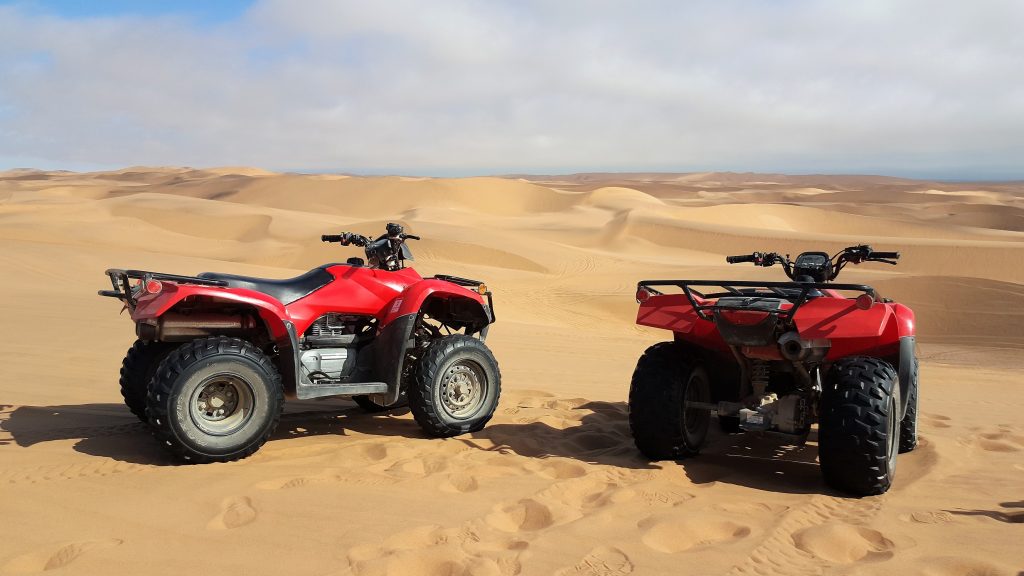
(217, 353)
(776, 357)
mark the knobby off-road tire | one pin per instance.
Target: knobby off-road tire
(908, 426)
(665, 377)
(455, 386)
(370, 406)
(137, 369)
(215, 400)
(859, 427)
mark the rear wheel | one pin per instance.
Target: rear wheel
(664, 380)
(215, 400)
(859, 428)
(455, 387)
(137, 370)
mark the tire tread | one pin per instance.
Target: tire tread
(421, 399)
(851, 431)
(175, 363)
(655, 393)
(137, 370)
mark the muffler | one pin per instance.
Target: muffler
(796, 349)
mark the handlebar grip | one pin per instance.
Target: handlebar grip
(739, 259)
(411, 237)
(331, 238)
(886, 255)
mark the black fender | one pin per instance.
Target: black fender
(907, 371)
(390, 348)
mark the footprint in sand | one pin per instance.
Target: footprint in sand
(527, 514)
(1002, 441)
(663, 497)
(749, 508)
(235, 512)
(937, 420)
(558, 469)
(960, 566)
(928, 517)
(56, 557)
(677, 534)
(460, 483)
(843, 544)
(603, 561)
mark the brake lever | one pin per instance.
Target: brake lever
(883, 260)
(769, 259)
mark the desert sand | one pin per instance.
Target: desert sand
(553, 485)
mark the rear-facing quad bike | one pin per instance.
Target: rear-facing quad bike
(776, 357)
(217, 353)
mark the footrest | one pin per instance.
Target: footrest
(308, 391)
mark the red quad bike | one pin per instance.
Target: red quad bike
(776, 357)
(216, 353)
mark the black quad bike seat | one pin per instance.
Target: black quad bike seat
(285, 291)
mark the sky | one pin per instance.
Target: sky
(919, 88)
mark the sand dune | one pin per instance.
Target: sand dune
(553, 485)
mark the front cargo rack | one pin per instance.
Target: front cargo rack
(469, 283)
(124, 291)
(796, 292)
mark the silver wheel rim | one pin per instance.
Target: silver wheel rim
(222, 404)
(894, 435)
(463, 388)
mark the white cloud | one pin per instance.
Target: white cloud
(911, 87)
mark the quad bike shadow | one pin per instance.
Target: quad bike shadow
(109, 431)
(602, 437)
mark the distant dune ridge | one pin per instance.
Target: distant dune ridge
(553, 485)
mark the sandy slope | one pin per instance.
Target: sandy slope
(553, 484)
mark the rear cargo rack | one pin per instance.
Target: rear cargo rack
(795, 292)
(123, 290)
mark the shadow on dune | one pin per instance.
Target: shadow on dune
(603, 437)
(110, 431)
(1005, 515)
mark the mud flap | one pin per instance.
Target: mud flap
(394, 341)
(907, 371)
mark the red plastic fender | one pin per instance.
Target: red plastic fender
(905, 320)
(837, 318)
(270, 310)
(411, 300)
(670, 312)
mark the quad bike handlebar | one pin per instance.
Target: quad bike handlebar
(742, 258)
(388, 251)
(817, 266)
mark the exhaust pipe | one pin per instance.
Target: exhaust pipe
(796, 349)
(176, 326)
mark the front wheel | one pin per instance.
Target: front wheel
(859, 428)
(215, 400)
(455, 387)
